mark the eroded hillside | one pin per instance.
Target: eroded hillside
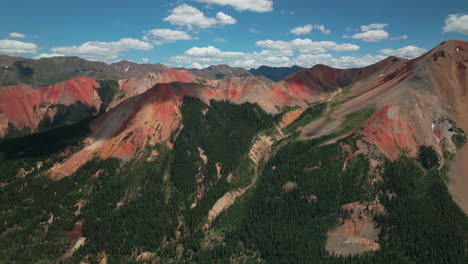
(330, 165)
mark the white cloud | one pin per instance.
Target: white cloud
(306, 29)
(371, 35)
(307, 45)
(210, 52)
(196, 65)
(9, 46)
(186, 15)
(405, 52)
(160, 36)
(457, 23)
(145, 59)
(225, 19)
(219, 40)
(309, 60)
(97, 50)
(302, 30)
(399, 38)
(242, 5)
(322, 29)
(16, 35)
(201, 57)
(373, 26)
(48, 55)
(253, 30)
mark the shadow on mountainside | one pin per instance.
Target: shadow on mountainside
(45, 143)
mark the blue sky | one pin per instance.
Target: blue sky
(245, 33)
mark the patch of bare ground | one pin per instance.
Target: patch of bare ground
(357, 233)
(76, 239)
(102, 257)
(259, 148)
(458, 174)
(289, 186)
(458, 179)
(145, 256)
(319, 128)
(289, 117)
(202, 155)
(79, 205)
(221, 205)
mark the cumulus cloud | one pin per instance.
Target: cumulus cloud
(309, 60)
(243, 5)
(302, 30)
(322, 29)
(373, 26)
(371, 35)
(8, 46)
(405, 52)
(105, 51)
(198, 57)
(306, 29)
(225, 19)
(307, 45)
(201, 57)
(210, 52)
(253, 30)
(160, 36)
(48, 55)
(197, 65)
(186, 15)
(457, 23)
(16, 35)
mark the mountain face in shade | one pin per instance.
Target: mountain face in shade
(179, 168)
(48, 71)
(275, 73)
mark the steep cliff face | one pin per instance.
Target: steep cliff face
(25, 107)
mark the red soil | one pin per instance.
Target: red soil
(25, 106)
(390, 132)
(402, 90)
(77, 231)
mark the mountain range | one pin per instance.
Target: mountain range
(129, 162)
(48, 71)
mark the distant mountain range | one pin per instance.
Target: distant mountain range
(48, 71)
(275, 73)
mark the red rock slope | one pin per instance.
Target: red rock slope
(414, 100)
(138, 85)
(25, 106)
